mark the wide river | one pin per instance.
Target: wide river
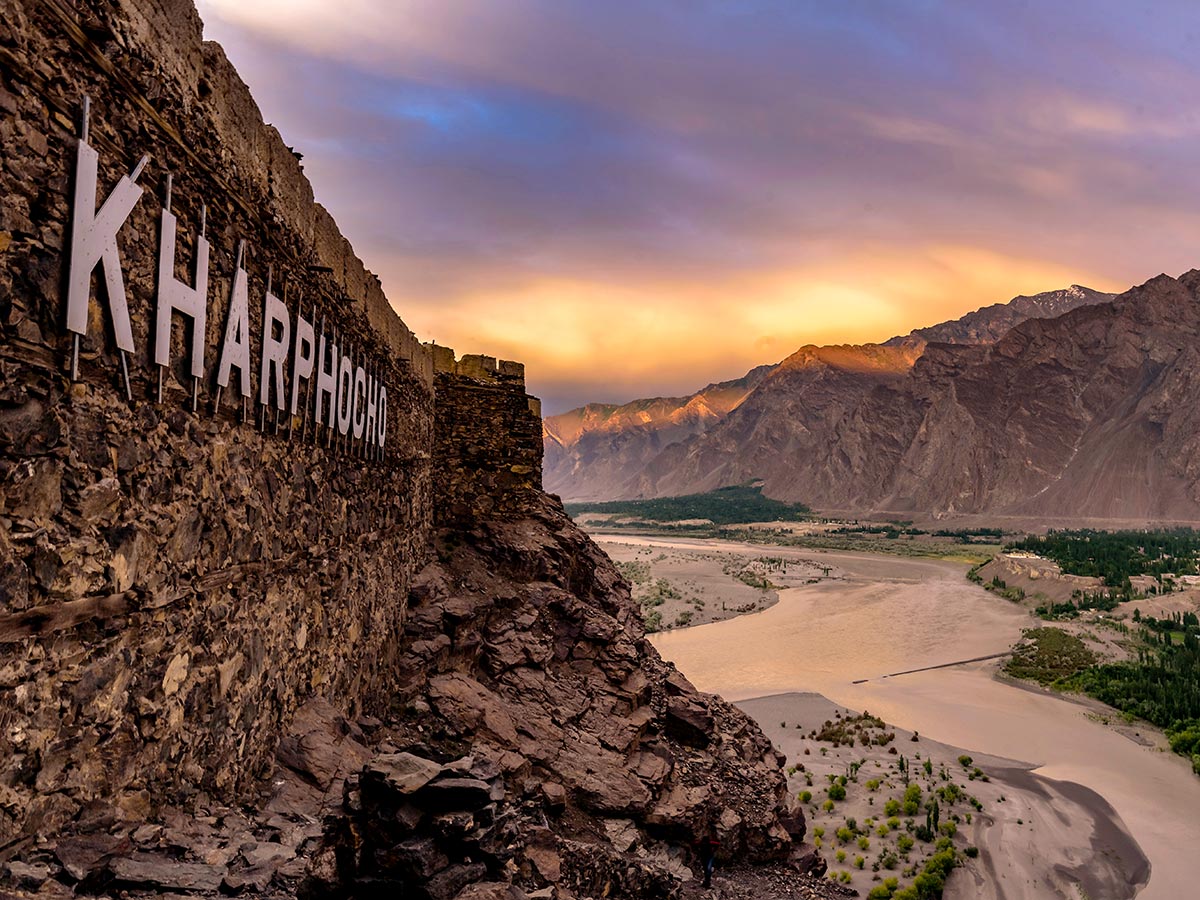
(890, 614)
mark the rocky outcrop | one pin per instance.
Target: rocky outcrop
(529, 674)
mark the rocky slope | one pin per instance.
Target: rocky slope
(989, 324)
(665, 447)
(537, 746)
(590, 451)
(1084, 415)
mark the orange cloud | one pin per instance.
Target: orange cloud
(680, 335)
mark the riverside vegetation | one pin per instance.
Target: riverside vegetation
(892, 819)
(1116, 557)
(742, 513)
(725, 506)
(1160, 681)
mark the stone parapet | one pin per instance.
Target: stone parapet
(487, 439)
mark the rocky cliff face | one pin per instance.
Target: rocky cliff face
(783, 425)
(528, 658)
(776, 423)
(1084, 415)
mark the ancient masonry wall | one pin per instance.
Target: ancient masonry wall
(173, 584)
(488, 437)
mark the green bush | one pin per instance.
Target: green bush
(724, 506)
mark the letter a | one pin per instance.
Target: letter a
(94, 241)
(235, 349)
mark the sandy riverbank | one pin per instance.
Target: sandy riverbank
(1037, 837)
(891, 614)
(680, 585)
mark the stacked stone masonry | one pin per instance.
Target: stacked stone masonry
(175, 584)
(488, 435)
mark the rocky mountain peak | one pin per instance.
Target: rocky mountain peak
(658, 446)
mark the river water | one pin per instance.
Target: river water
(882, 615)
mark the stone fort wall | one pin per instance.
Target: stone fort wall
(175, 583)
(488, 435)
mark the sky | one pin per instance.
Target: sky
(639, 198)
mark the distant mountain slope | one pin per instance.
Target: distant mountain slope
(591, 451)
(1092, 414)
(662, 446)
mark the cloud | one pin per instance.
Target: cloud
(642, 197)
(691, 333)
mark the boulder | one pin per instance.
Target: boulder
(84, 854)
(689, 721)
(807, 860)
(402, 773)
(445, 885)
(445, 794)
(491, 890)
(794, 821)
(159, 873)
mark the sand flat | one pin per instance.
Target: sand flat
(1041, 839)
(892, 614)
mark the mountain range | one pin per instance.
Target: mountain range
(1071, 402)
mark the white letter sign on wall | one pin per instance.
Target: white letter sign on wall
(382, 428)
(274, 350)
(94, 241)
(327, 361)
(345, 403)
(299, 369)
(302, 361)
(174, 295)
(235, 349)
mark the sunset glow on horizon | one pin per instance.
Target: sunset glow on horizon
(636, 199)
